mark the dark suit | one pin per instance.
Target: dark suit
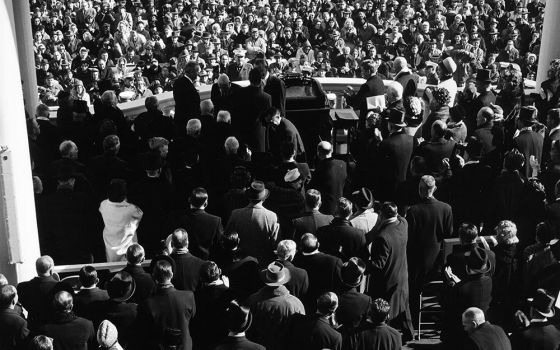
(35, 296)
(409, 82)
(205, 230)
(284, 132)
(538, 336)
(342, 240)
(487, 337)
(312, 332)
(103, 169)
(85, 297)
(247, 108)
(70, 332)
(144, 283)
(187, 271)
(299, 281)
(372, 87)
(377, 337)
(238, 343)
(323, 272)
(222, 98)
(309, 223)
(435, 151)
(529, 143)
(276, 88)
(389, 271)
(13, 330)
(187, 102)
(394, 153)
(429, 222)
(457, 260)
(353, 308)
(151, 124)
(329, 179)
(167, 308)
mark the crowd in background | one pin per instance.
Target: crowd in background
(255, 238)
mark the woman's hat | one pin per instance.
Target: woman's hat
(352, 272)
(292, 175)
(363, 198)
(275, 274)
(121, 287)
(542, 303)
(257, 191)
(238, 318)
(477, 261)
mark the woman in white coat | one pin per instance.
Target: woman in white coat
(121, 220)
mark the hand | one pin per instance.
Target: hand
(225, 279)
(451, 276)
(534, 163)
(521, 319)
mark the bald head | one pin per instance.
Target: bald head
(44, 265)
(472, 318)
(309, 243)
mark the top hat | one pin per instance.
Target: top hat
(477, 261)
(483, 75)
(542, 303)
(121, 287)
(257, 191)
(363, 198)
(448, 65)
(396, 117)
(528, 114)
(352, 272)
(275, 274)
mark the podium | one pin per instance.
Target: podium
(344, 121)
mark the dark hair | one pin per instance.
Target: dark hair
(288, 150)
(474, 147)
(210, 272)
(379, 311)
(312, 198)
(343, 207)
(117, 190)
(514, 160)
(418, 165)
(389, 210)
(198, 197)
(255, 76)
(88, 276)
(467, 232)
(230, 240)
(163, 271)
(544, 232)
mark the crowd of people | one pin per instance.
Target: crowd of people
(255, 240)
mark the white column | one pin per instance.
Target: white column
(26, 55)
(550, 45)
(19, 242)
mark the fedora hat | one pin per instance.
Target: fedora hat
(352, 272)
(483, 75)
(121, 287)
(275, 274)
(238, 318)
(477, 261)
(257, 191)
(396, 117)
(363, 198)
(542, 303)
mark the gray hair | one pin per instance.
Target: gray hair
(194, 126)
(109, 98)
(67, 148)
(223, 117)
(286, 249)
(206, 107)
(231, 145)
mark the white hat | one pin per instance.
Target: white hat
(449, 65)
(292, 175)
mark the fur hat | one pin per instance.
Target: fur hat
(108, 336)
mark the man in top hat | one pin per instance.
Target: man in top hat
(429, 222)
(538, 332)
(238, 319)
(66, 329)
(364, 217)
(120, 288)
(316, 331)
(395, 152)
(445, 71)
(340, 238)
(481, 334)
(257, 226)
(272, 306)
(486, 96)
(353, 306)
(528, 141)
